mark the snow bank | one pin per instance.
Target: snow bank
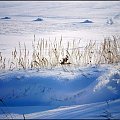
(87, 21)
(58, 87)
(38, 19)
(6, 18)
(106, 87)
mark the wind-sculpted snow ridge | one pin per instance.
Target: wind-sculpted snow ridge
(99, 110)
(45, 85)
(55, 88)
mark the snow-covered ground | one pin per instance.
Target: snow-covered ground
(100, 110)
(59, 19)
(82, 92)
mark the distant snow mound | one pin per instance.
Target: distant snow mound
(87, 21)
(110, 21)
(6, 18)
(39, 19)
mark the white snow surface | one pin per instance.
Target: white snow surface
(92, 91)
(60, 18)
(84, 92)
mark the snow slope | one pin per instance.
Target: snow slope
(55, 88)
(100, 110)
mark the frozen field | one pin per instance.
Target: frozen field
(59, 19)
(86, 92)
(91, 91)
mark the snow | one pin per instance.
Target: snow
(39, 19)
(6, 18)
(86, 111)
(60, 18)
(87, 21)
(91, 91)
(60, 93)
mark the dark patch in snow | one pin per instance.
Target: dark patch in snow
(87, 21)
(38, 19)
(110, 21)
(6, 18)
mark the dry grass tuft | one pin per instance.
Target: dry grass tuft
(46, 54)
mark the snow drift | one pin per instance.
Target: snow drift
(87, 21)
(58, 87)
(6, 18)
(38, 19)
(73, 92)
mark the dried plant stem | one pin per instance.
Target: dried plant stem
(47, 54)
